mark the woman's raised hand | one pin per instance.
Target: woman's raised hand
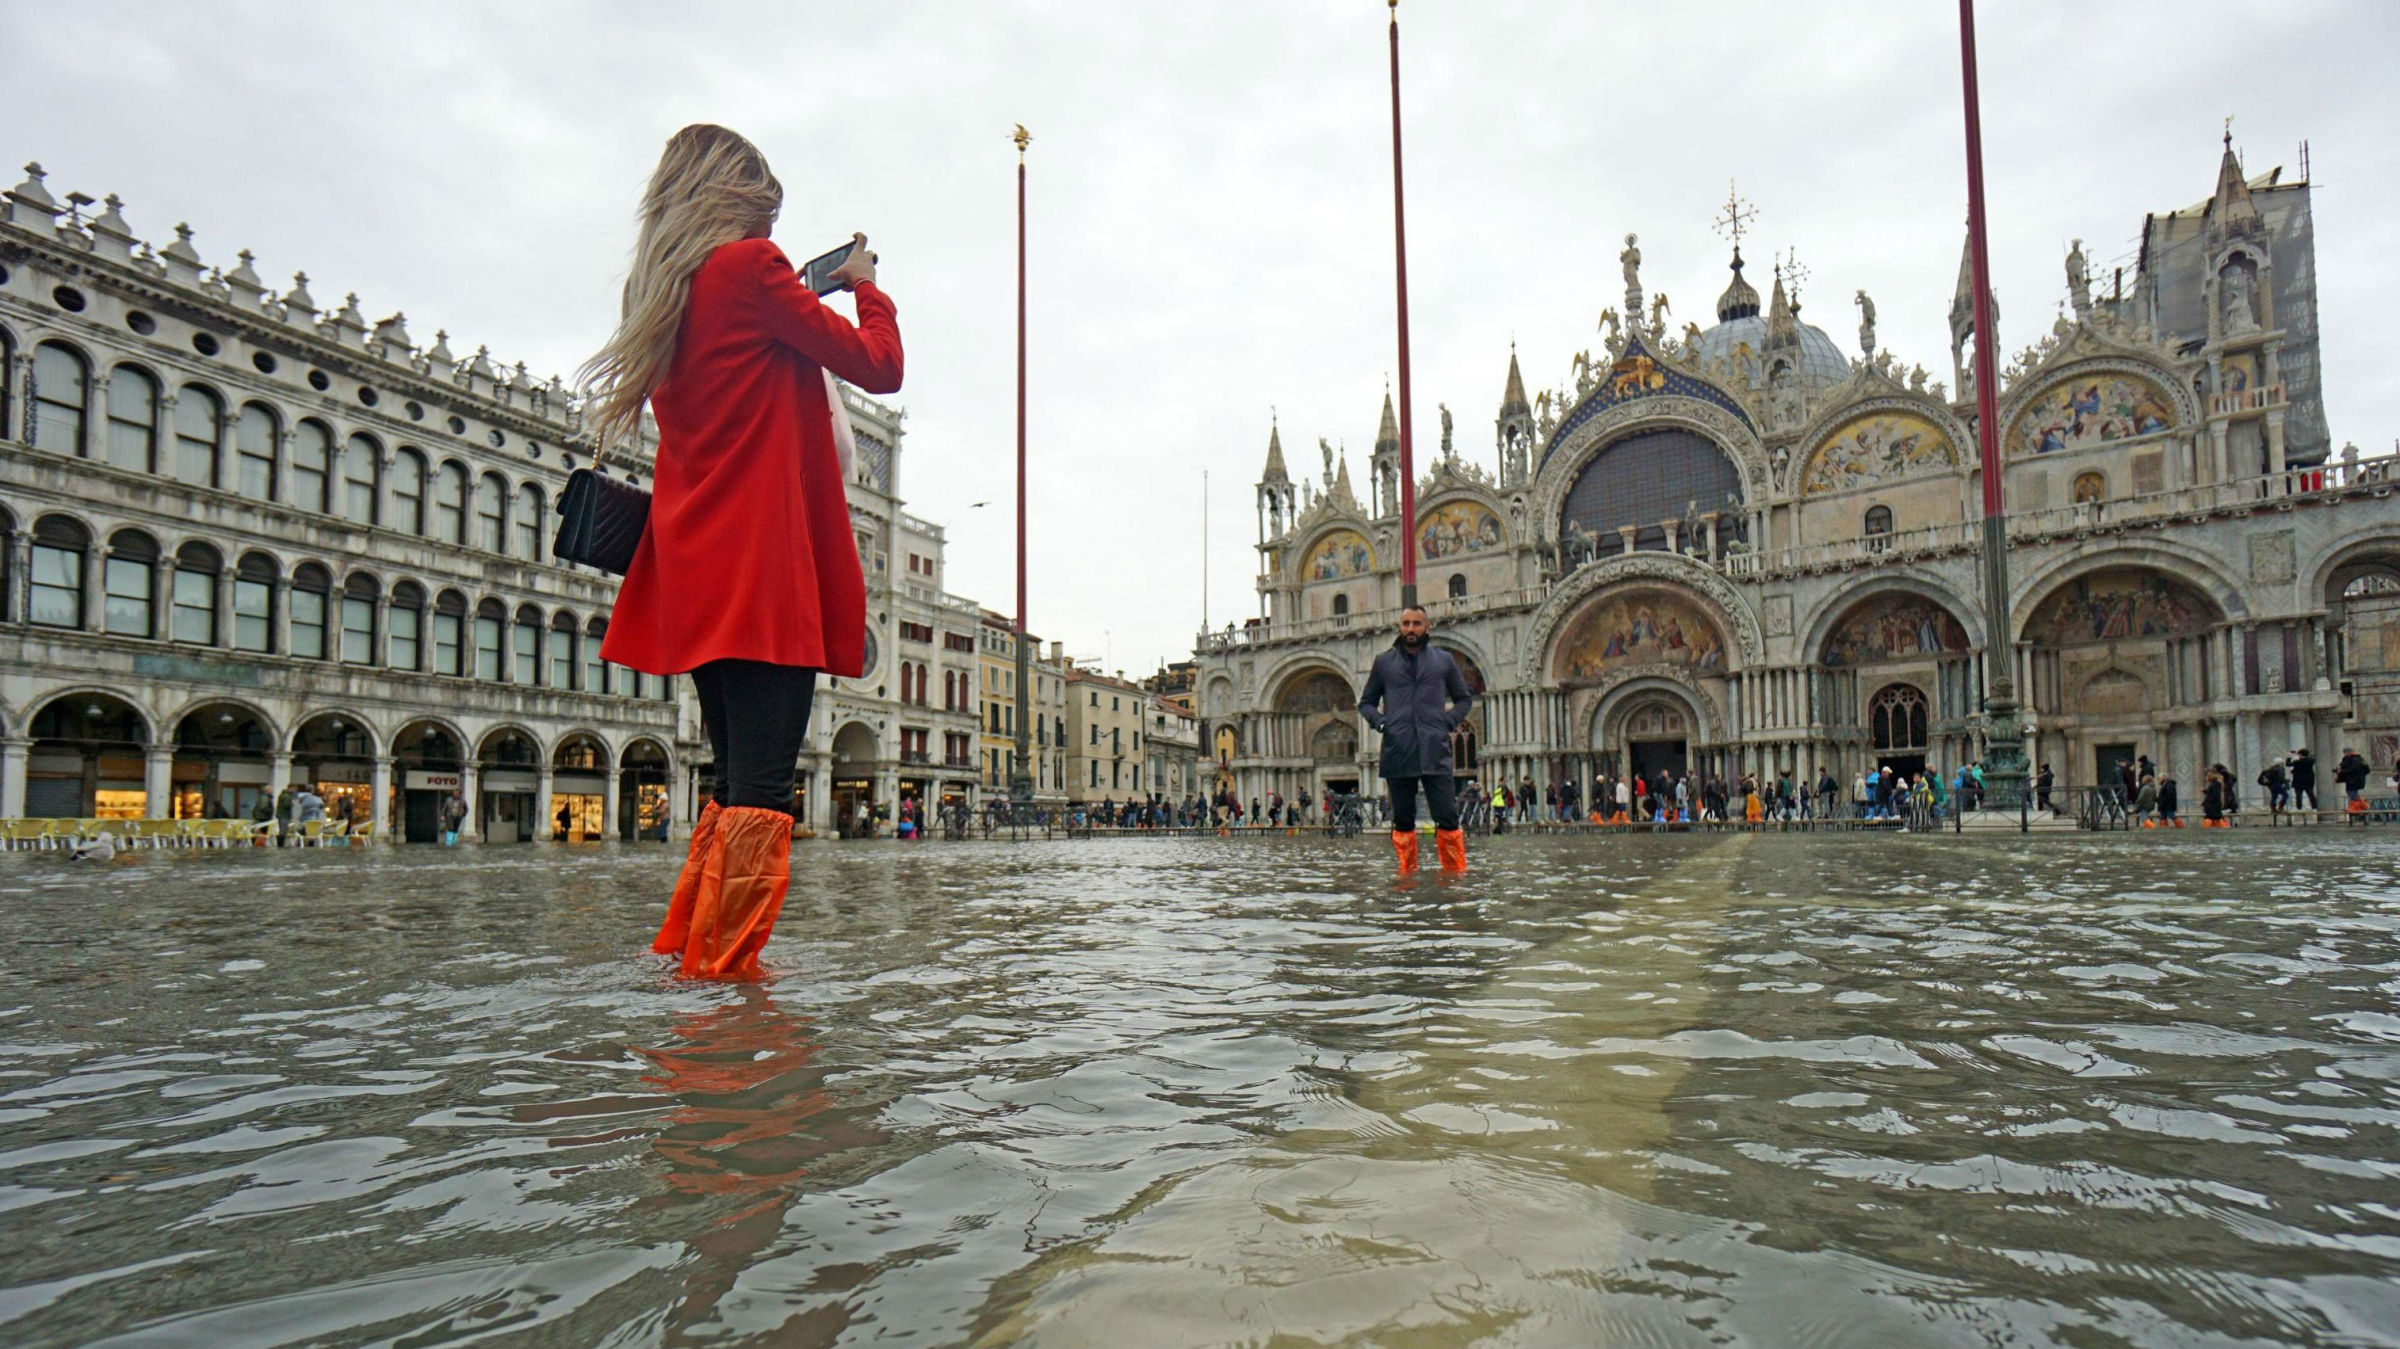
(860, 266)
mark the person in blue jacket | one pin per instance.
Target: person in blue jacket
(1415, 697)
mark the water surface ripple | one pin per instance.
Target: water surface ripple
(1646, 1091)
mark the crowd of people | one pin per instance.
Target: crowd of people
(2153, 799)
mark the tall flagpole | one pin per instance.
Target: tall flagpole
(1408, 464)
(2003, 735)
(1020, 773)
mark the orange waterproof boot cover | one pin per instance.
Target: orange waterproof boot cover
(1451, 844)
(1404, 847)
(671, 933)
(749, 868)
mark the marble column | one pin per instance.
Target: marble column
(225, 620)
(158, 763)
(545, 812)
(15, 752)
(609, 803)
(470, 789)
(379, 799)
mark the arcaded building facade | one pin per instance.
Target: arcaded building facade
(1737, 549)
(250, 540)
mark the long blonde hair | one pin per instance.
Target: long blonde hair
(711, 188)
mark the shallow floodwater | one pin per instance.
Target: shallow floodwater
(1752, 1090)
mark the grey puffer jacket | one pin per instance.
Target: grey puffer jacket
(1415, 699)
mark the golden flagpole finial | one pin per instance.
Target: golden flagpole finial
(1022, 137)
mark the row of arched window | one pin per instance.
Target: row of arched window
(957, 687)
(192, 596)
(197, 438)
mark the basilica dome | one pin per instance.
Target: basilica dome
(1806, 351)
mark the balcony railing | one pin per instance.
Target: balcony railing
(2320, 483)
(2246, 400)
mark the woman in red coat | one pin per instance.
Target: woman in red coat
(748, 576)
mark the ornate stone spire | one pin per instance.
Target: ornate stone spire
(110, 231)
(1275, 469)
(1512, 395)
(183, 260)
(299, 307)
(31, 197)
(2232, 204)
(1388, 433)
(1783, 328)
(1341, 484)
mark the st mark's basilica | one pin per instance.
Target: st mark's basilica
(1735, 549)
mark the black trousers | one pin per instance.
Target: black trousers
(1441, 797)
(756, 715)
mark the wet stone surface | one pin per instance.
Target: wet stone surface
(1660, 1091)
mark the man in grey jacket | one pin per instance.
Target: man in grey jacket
(1415, 697)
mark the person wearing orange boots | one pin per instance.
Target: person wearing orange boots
(1415, 697)
(747, 575)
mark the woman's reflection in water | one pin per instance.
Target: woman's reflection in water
(753, 1119)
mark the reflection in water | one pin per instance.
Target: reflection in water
(1751, 1090)
(752, 1116)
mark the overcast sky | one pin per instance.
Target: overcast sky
(1211, 228)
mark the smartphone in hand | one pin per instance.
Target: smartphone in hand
(820, 269)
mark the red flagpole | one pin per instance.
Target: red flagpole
(1408, 464)
(2004, 766)
(1020, 777)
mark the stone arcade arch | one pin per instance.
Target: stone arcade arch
(333, 754)
(644, 783)
(223, 761)
(579, 766)
(429, 757)
(87, 758)
(508, 781)
(856, 755)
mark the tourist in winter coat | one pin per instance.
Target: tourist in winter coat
(747, 577)
(1415, 697)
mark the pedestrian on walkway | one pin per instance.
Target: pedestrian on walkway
(2304, 779)
(2351, 772)
(747, 576)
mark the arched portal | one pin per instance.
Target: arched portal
(2362, 651)
(221, 763)
(507, 776)
(2124, 660)
(87, 759)
(1648, 733)
(333, 754)
(1898, 644)
(429, 762)
(1314, 730)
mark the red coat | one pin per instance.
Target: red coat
(749, 553)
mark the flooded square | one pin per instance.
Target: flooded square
(1671, 1090)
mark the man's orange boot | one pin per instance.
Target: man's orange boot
(1451, 844)
(678, 927)
(1404, 847)
(749, 869)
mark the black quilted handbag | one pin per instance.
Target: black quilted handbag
(600, 521)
